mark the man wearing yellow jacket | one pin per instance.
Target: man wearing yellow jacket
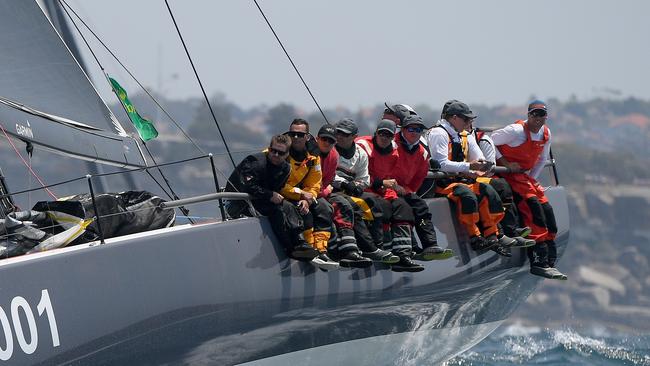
(302, 188)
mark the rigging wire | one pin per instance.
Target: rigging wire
(290, 60)
(182, 209)
(29, 167)
(127, 70)
(207, 100)
(93, 53)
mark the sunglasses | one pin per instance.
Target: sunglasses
(277, 152)
(465, 118)
(538, 113)
(415, 129)
(386, 134)
(296, 135)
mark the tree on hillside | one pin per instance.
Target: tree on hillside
(236, 132)
(279, 117)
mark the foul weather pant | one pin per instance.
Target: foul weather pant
(343, 238)
(286, 221)
(323, 213)
(423, 224)
(365, 219)
(534, 209)
(537, 213)
(476, 203)
(510, 221)
(396, 221)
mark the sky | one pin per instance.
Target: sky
(361, 53)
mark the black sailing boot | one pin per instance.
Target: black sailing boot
(538, 256)
(405, 264)
(352, 259)
(430, 248)
(302, 250)
(552, 258)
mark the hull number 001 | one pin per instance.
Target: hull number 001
(23, 325)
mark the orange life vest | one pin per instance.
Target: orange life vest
(528, 153)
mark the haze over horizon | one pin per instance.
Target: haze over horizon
(360, 53)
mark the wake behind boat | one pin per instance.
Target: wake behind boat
(223, 291)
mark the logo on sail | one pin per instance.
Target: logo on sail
(25, 131)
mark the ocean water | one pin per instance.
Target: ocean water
(518, 345)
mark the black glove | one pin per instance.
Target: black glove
(352, 189)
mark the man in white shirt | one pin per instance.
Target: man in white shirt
(524, 147)
(510, 223)
(457, 153)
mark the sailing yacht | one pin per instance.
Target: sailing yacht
(219, 292)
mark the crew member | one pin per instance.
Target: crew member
(524, 147)
(262, 176)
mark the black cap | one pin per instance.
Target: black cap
(327, 131)
(387, 125)
(460, 108)
(413, 119)
(446, 107)
(347, 125)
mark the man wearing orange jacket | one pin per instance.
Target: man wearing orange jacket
(524, 147)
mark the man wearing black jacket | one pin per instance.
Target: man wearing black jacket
(262, 176)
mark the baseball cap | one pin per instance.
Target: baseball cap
(347, 125)
(386, 125)
(460, 108)
(327, 131)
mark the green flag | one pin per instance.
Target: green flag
(145, 128)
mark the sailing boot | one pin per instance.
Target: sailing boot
(323, 261)
(433, 252)
(506, 241)
(382, 256)
(502, 251)
(479, 243)
(522, 242)
(302, 250)
(405, 264)
(522, 231)
(352, 259)
(552, 258)
(538, 256)
(430, 248)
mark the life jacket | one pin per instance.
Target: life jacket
(528, 153)
(479, 135)
(380, 166)
(412, 165)
(305, 175)
(457, 151)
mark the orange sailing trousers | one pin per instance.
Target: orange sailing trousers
(534, 209)
(476, 203)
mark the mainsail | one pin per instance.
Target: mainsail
(47, 99)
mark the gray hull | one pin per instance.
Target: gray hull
(224, 293)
